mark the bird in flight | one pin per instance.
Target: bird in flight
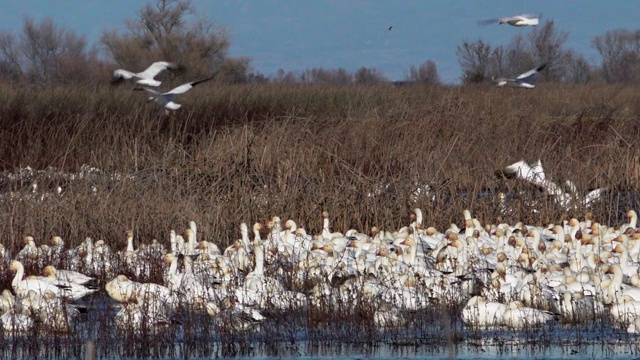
(517, 20)
(145, 77)
(389, 29)
(524, 80)
(166, 99)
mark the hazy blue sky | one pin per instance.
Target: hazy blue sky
(300, 34)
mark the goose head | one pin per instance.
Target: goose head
(55, 241)
(49, 271)
(27, 240)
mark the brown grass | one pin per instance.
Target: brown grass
(247, 153)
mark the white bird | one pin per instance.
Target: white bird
(517, 20)
(535, 175)
(138, 316)
(147, 76)
(14, 323)
(166, 99)
(22, 287)
(524, 80)
(481, 313)
(67, 276)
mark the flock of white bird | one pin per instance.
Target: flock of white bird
(510, 276)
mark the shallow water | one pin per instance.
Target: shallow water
(549, 342)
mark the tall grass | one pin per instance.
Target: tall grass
(247, 153)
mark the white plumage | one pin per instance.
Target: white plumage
(146, 77)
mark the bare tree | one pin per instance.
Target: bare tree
(234, 70)
(544, 44)
(339, 76)
(620, 52)
(426, 73)
(474, 60)
(285, 78)
(11, 57)
(579, 70)
(547, 46)
(368, 76)
(170, 30)
(511, 59)
(44, 52)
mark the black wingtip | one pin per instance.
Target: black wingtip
(541, 67)
(116, 80)
(201, 81)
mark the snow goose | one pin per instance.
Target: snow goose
(205, 246)
(516, 20)
(576, 307)
(256, 285)
(145, 77)
(613, 289)
(14, 323)
(634, 326)
(172, 279)
(481, 313)
(123, 290)
(388, 316)
(22, 287)
(625, 310)
(524, 80)
(97, 258)
(67, 275)
(52, 312)
(195, 290)
(417, 218)
(71, 290)
(517, 316)
(129, 255)
(533, 174)
(7, 301)
(406, 298)
(326, 229)
(57, 249)
(629, 268)
(139, 317)
(633, 221)
(166, 99)
(243, 242)
(29, 251)
(237, 317)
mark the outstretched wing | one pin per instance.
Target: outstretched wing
(122, 74)
(486, 22)
(153, 91)
(156, 68)
(531, 72)
(186, 87)
(531, 16)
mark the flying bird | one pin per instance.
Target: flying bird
(166, 99)
(390, 28)
(147, 76)
(524, 80)
(517, 20)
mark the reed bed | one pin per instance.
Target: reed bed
(247, 153)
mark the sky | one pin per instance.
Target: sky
(301, 34)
